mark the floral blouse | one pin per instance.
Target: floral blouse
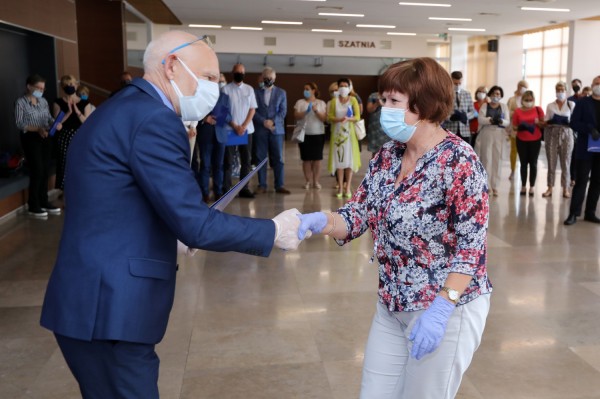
(433, 224)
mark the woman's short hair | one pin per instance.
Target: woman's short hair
(427, 84)
(343, 80)
(67, 79)
(529, 93)
(314, 87)
(494, 88)
(35, 79)
(561, 84)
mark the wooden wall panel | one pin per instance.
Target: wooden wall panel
(51, 17)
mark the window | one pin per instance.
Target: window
(545, 62)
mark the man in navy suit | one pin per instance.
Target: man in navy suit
(270, 130)
(586, 122)
(111, 291)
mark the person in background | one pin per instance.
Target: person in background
(269, 120)
(586, 121)
(463, 111)
(513, 103)
(577, 93)
(481, 98)
(586, 91)
(492, 137)
(210, 141)
(558, 138)
(526, 122)
(33, 119)
(355, 95)
(344, 156)
(83, 92)
(243, 106)
(425, 201)
(375, 134)
(312, 112)
(125, 79)
(112, 287)
(76, 110)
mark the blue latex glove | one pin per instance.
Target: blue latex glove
(430, 328)
(476, 114)
(309, 108)
(350, 112)
(315, 222)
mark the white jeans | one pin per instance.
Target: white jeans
(390, 373)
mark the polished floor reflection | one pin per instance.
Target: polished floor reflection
(294, 325)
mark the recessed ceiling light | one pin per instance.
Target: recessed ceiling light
(545, 9)
(425, 4)
(204, 26)
(376, 26)
(401, 34)
(449, 19)
(313, 0)
(245, 28)
(468, 29)
(335, 14)
(281, 22)
(327, 30)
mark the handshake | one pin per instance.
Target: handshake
(292, 227)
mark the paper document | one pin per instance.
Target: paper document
(222, 202)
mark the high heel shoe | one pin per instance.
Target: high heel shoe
(523, 191)
(566, 193)
(340, 195)
(531, 191)
(547, 193)
(348, 194)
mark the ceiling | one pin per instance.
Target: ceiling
(497, 17)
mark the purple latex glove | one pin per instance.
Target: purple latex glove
(314, 222)
(429, 329)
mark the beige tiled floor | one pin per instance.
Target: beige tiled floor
(294, 325)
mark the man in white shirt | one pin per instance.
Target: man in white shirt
(243, 106)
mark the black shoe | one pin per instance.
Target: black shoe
(592, 218)
(245, 193)
(570, 220)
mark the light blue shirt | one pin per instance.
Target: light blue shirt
(162, 96)
(241, 100)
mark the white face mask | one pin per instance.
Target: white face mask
(344, 91)
(481, 96)
(198, 105)
(527, 104)
(522, 90)
(495, 100)
(596, 90)
(222, 84)
(336, 94)
(561, 96)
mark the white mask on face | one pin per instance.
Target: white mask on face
(495, 99)
(596, 90)
(481, 96)
(336, 93)
(198, 105)
(527, 104)
(561, 96)
(522, 90)
(344, 91)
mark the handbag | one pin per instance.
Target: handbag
(359, 129)
(299, 131)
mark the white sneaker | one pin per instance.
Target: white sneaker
(52, 210)
(39, 214)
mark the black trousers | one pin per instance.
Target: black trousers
(245, 160)
(528, 151)
(587, 170)
(38, 152)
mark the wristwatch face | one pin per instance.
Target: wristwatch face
(453, 294)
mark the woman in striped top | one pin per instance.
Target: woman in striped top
(33, 119)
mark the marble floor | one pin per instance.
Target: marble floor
(294, 325)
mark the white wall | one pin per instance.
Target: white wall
(510, 63)
(584, 57)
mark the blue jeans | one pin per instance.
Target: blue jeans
(271, 145)
(211, 157)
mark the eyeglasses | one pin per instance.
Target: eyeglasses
(203, 38)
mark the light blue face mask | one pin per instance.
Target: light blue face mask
(394, 126)
(307, 94)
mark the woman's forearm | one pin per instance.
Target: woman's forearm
(336, 226)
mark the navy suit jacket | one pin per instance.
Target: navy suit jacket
(222, 113)
(131, 195)
(275, 111)
(582, 121)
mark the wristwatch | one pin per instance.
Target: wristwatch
(453, 295)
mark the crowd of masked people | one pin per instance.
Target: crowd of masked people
(247, 126)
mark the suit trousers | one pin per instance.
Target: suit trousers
(271, 145)
(389, 372)
(587, 170)
(245, 159)
(112, 369)
(211, 159)
(37, 155)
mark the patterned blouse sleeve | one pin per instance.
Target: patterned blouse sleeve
(354, 212)
(467, 199)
